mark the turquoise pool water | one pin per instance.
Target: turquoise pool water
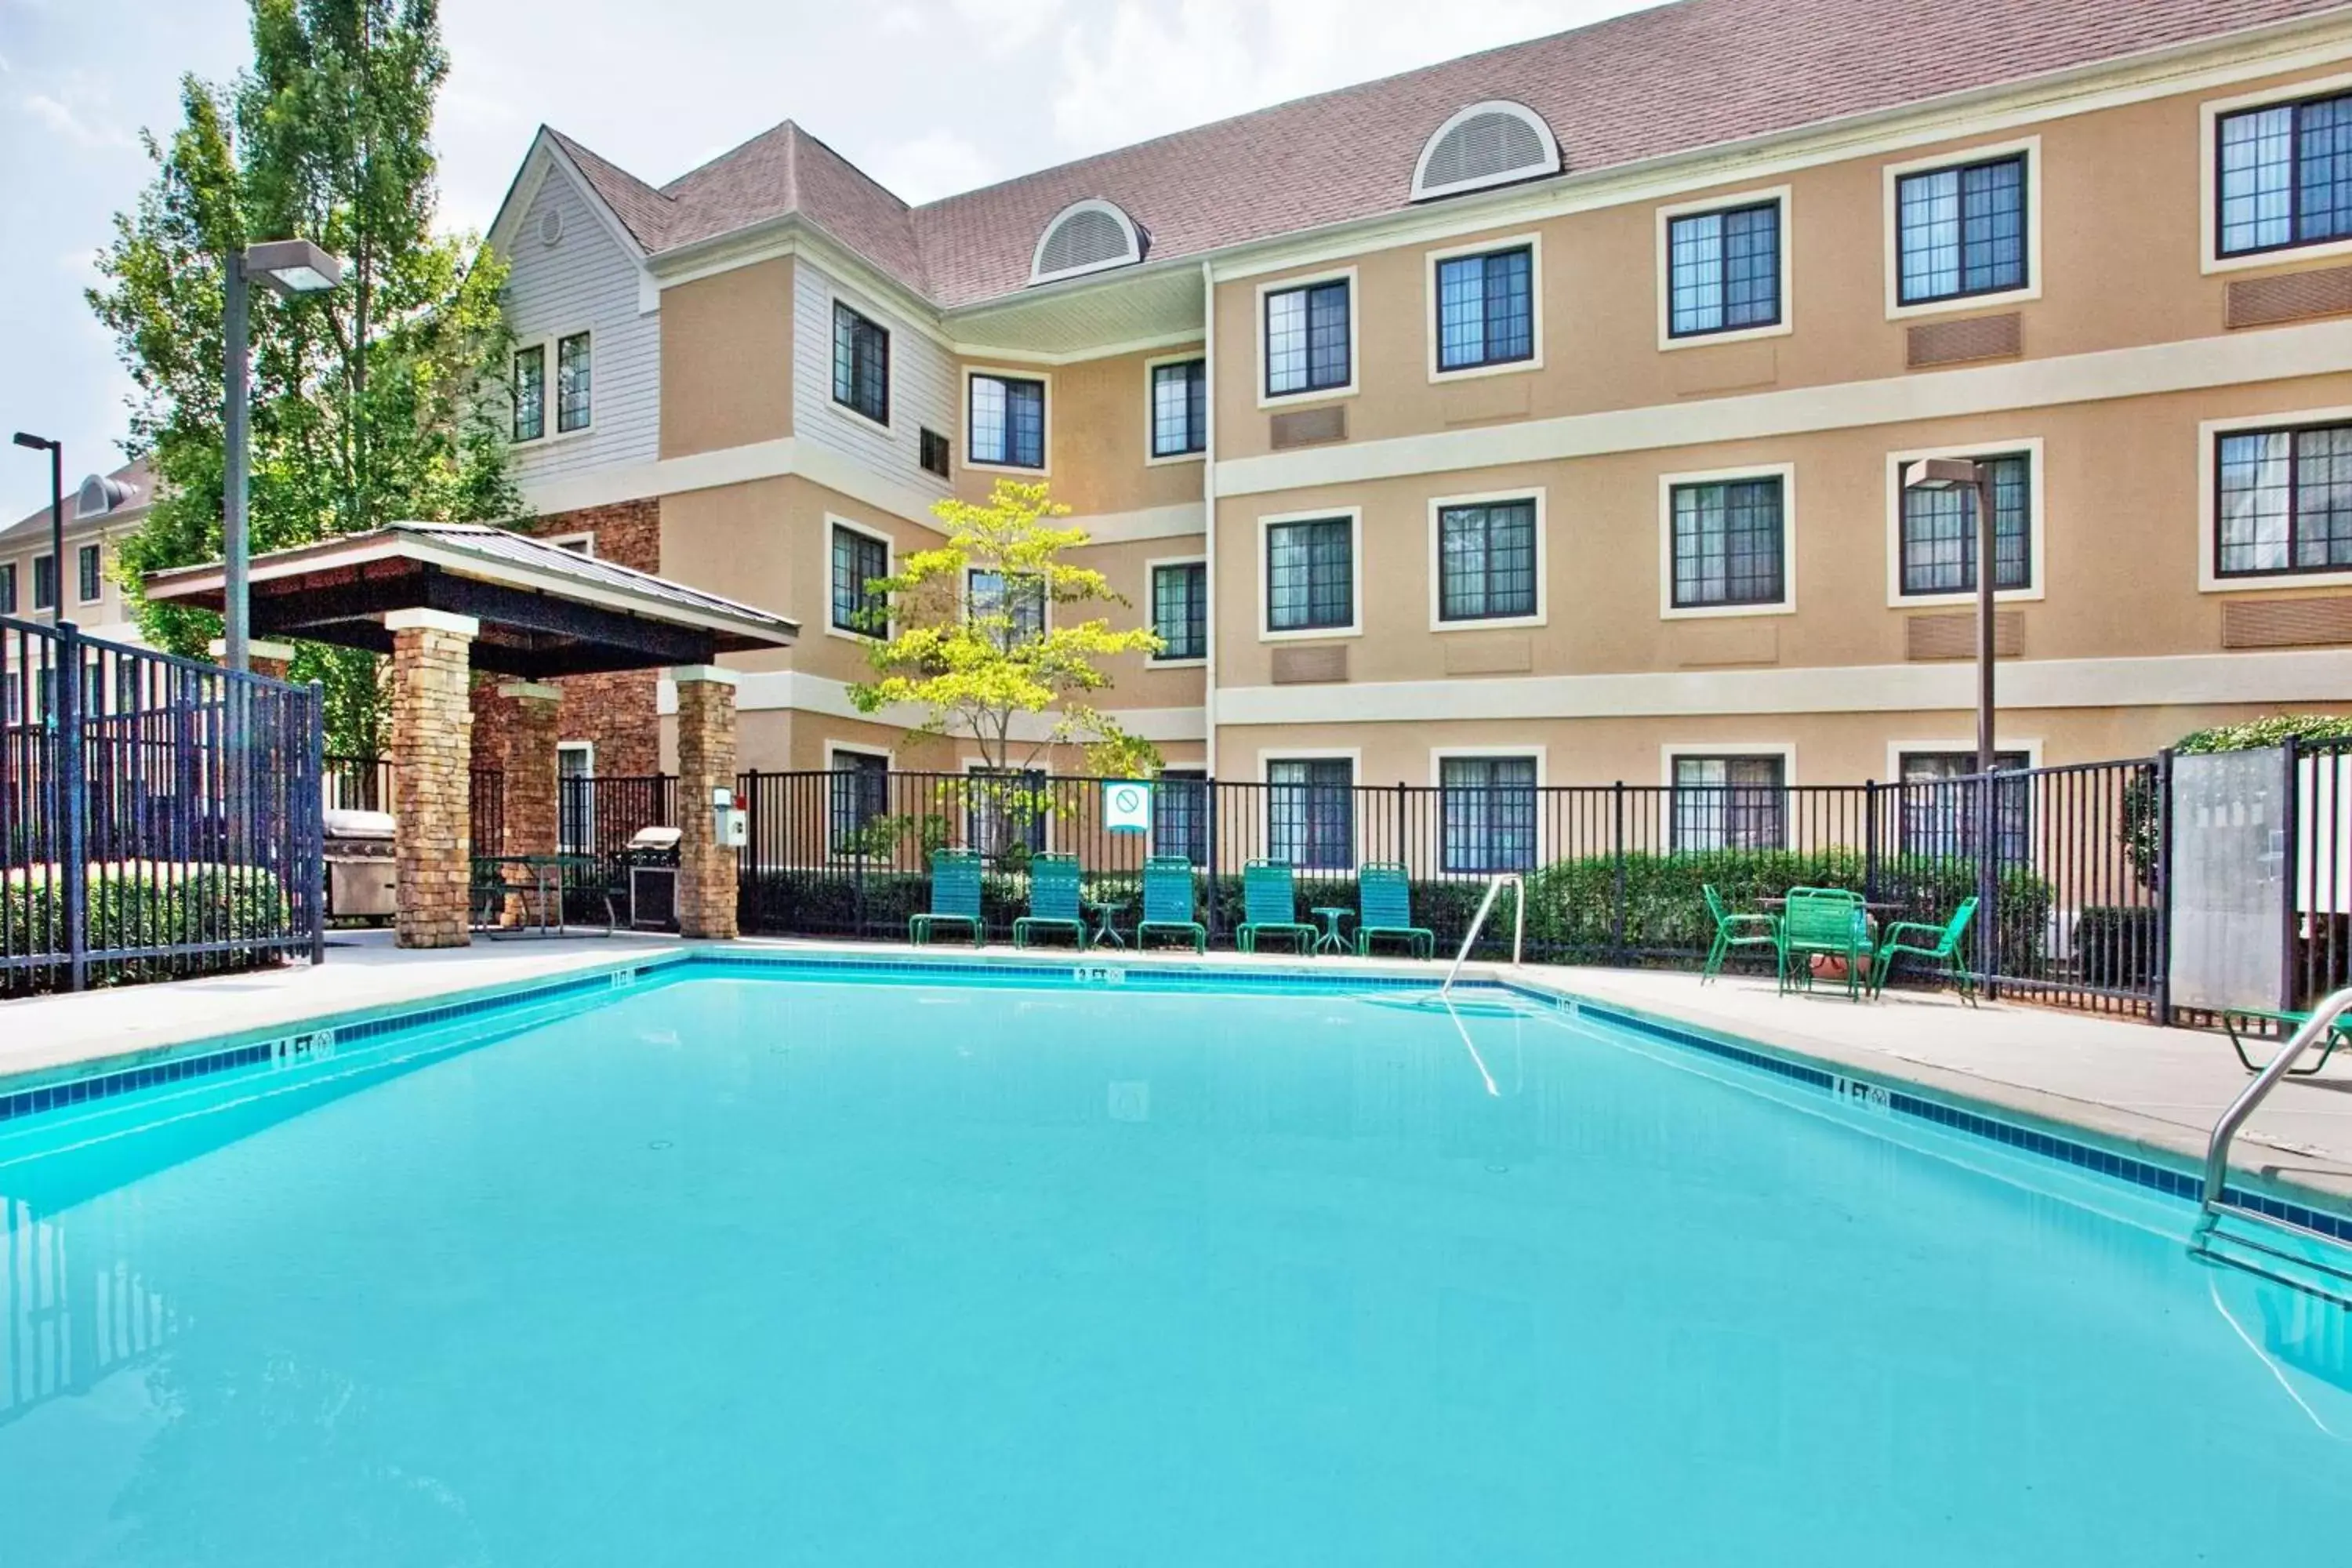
(737, 1269)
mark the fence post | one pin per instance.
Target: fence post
(1401, 799)
(2290, 869)
(1988, 878)
(73, 787)
(1870, 841)
(1209, 914)
(1617, 837)
(2163, 890)
(315, 818)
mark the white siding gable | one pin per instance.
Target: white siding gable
(922, 385)
(587, 279)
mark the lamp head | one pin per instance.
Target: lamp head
(36, 443)
(1942, 474)
(293, 266)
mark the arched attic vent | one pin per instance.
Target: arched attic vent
(1492, 144)
(1086, 236)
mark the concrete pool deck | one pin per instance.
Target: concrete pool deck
(2160, 1088)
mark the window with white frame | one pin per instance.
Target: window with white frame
(2283, 500)
(89, 574)
(1730, 543)
(1486, 309)
(1180, 609)
(574, 367)
(1730, 801)
(1310, 575)
(1180, 409)
(1310, 812)
(860, 797)
(1488, 804)
(1309, 339)
(1005, 424)
(1487, 561)
(1723, 271)
(575, 794)
(7, 587)
(1939, 532)
(530, 393)
(45, 582)
(1010, 610)
(1942, 804)
(861, 365)
(1180, 815)
(859, 559)
(2285, 175)
(1960, 230)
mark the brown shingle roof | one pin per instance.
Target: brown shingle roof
(136, 479)
(1674, 79)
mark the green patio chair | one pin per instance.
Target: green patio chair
(1168, 902)
(1270, 906)
(1053, 900)
(1941, 947)
(1735, 931)
(1819, 921)
(955, 896)
(2236, 1022)
(1384, 909)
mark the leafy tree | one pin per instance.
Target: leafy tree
(371, 403)
(1017, 643)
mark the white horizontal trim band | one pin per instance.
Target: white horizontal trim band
(805, 693)
(2268, 678)
(2279, 355)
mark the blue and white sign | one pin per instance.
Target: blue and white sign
(1126, 807)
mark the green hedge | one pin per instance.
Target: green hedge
(143, 904)
(2114, 946)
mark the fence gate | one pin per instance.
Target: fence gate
(2231, 813)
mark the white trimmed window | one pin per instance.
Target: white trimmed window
(1724, 270)
(860, 794)
(2285, 175)
(1310, 812)
(1013, 609)
(89, 574)
(1489, 804)
(530, 393)
(859, 557)
(1489, 560)
(1937, 541)
(1309, 335)
(861, 365)
(1180, 610)
(1180, 409)
(1486, 309)
(1727, 543)
(574, 367)
(1310, 575)
(1961, 230)
(1728, 801)
(1005, 421)
(2283, 502)
(576, 796)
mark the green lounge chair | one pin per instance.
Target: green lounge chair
(1168, 902)
(1823, 921)
(1384, 909)
(955, 896)
(1735, 931)
(1270, 906)
(1053, 900)
(1942, 948)
(2236, 1022)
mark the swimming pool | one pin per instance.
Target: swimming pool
(726, 1264)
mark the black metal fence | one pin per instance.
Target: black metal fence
(365, 784)
(1615, 872)
(158, 817)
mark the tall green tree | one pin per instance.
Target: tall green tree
(375, 402)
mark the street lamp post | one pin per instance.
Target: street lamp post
(289, 267)
(1965, 474)
(57, 451)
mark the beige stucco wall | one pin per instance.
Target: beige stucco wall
(727, 359)
(1095, 437)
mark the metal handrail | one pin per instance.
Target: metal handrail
(2217, 1152)
(1485, 905)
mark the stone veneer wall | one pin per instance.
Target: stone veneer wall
(431, 747)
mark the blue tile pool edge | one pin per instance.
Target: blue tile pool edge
(2157, 1171)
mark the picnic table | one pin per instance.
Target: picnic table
(547, 874)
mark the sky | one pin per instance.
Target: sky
(930, 96)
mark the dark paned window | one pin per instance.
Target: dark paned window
(935, 453)
(89, 573)
(1486, 309)
(1961, 231)
(1307, 336)
(45, 582)
(530, 393)
(1006, 422)
(1729, 802)
(861, 365)
(1724, 270)
(1939, 811)
(7, 588)
(1180, 815)
(1014, 616)
(2285, 175)
(1180, 609)
(1310, 813)
(2286, 502)
(1487, 561)
(1180, 409)
(861, 794)
(858, 560)
(1728, 543)
(1939, 532)
(1489, 805)
(1310, 575)
(573, 376)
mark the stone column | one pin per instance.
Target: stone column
(432, 777)
(269, 659)
(706, 761)
(530, 805)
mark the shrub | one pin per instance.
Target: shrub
(136, 905)
(2115, 946)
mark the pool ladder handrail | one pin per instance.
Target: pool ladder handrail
(2225, 1131)
(1485, 906)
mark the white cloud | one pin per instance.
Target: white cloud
(1003, 26)
(1142, 67)
(934, 164)
(76, 110)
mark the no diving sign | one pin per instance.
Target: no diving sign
(1126, 807)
